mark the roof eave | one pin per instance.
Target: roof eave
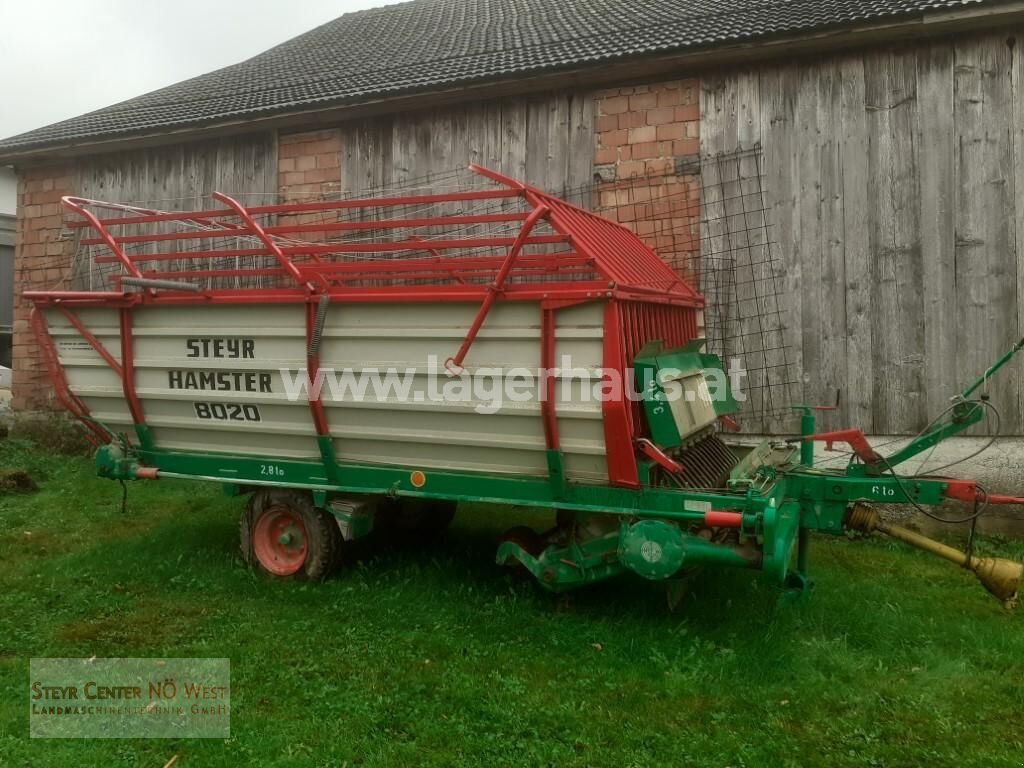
(692, 61)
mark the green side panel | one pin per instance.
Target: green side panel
(687, 360)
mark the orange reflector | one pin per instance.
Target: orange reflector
(418, 479)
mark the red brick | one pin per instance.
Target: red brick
(606, 123)
(629, 169)
(326, 146)
(286, 165)
(645, 150)
(321, 175)
(642, 101)
(687, 112)
(693, 129)
(615, 105)
(671, 131)
(289, 149)
(670, 97)
(631, 120)
(330, 160)
(606, 156)
(686, 147)
(643, 134)
(613, 138)
(305, 163)
(46, 198)
(661, 115)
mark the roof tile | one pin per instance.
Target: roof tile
(428, 44)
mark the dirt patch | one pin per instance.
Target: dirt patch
(16, 481)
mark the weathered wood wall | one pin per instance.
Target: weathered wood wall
(182, 176)
(895, 185)
(545, 140)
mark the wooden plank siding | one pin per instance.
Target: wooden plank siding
(546, 140)
(894, 181)
(183, 176)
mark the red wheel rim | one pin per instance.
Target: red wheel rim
(279, 541)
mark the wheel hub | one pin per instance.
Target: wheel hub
(280, 542)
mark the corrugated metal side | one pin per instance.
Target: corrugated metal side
(456, 435)
(380, 427)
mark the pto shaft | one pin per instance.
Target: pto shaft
(999, 576)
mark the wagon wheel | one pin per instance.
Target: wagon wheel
(285, 536)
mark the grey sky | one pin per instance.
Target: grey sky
(61, 59)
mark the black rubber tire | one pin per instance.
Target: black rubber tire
(323, 538)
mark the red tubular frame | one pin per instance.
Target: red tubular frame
(618, 427)
(257, 230)
(86, 334)
(77, 204)
(454, 363)
(128, 368)
(580, 257)
(316, 405)
(67, 398)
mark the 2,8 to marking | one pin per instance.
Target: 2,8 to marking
(271, 470)
(227, 412)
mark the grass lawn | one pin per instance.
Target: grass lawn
(434, 656)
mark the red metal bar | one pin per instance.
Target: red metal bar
(257, 230)
(76, 204)
(454, 363)
(968, 490)
(547, 366)
(55, 372)
(618, 434)
(309, 207)
(128, 368)
(565, 292)
(854, 437)
(717, 519)
(327, 248)
(337, 226)
(466, 263)
(92, 296)
(179, 275)
(86, 334)
(316, 405)
(658, 456)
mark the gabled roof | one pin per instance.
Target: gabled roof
(431, 44)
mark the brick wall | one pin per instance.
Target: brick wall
(42, 260)
(647, 156)
(308, 163)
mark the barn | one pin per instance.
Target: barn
(888, 139)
